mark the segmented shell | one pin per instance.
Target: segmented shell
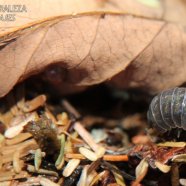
(168, 110)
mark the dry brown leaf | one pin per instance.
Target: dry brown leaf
(160, 65)
(35, 11)
(126, 51)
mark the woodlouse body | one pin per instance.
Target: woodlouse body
(167, 110)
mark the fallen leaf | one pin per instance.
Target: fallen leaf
(90, 48)
(33, 11)
(125, 48)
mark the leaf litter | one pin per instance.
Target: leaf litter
(43, 143)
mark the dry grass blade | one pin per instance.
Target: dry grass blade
(90, 155)
(118, 177)
(75, 156)
(2, 138)
(16, 161)
(83, 178)
(35, 103)
(15, 130)
(1, 162)
(49, 115)
(90, 177)
(93, 166)
(97, 178)
(70, 167)
(106, 157)
(172, 144)
(179, 158)
(142, 166)
(60, 160)
(7, 183)
(141, 171)
(4, 176)
(18, 139)
(89, 140)
(73, 138)
(37, 159)
(25, 147)
(162, 167)
(32, 169)
(47, 182)
(12, 148)
(70, 109)
(63, 119)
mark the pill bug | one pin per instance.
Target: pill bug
(167, 110)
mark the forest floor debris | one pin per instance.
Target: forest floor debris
(45, 144)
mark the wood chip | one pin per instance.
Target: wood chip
(70, 167)
(15, 130)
